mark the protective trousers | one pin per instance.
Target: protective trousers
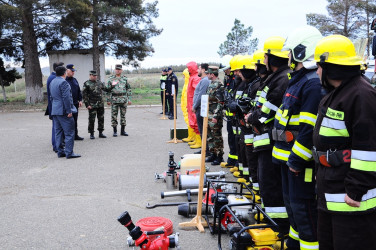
(301, 206)
(252, 161)
(99, 113)
(269, 176)
(114, 113)
(232, 155)
(344, 231)
(242, 158)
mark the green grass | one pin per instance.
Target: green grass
(145, 91)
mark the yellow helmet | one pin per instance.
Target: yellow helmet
(246, 62)
(337, 49)
(258, 57)
(273, 45)
(234, 63)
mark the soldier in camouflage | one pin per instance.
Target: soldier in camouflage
(215, 92)
(119, 98)
(93, 99)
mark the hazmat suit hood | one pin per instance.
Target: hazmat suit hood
(192, 68)
(186, 73)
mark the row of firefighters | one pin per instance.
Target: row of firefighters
(301, 122)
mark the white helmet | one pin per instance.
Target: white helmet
(302, 43)
(225, 62)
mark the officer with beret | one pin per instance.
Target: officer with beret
(119, 97)
(93, 99)
(76, 94)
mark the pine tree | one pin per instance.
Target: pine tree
(238, 41)
(119, 28)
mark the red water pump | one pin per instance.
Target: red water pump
(142, 239)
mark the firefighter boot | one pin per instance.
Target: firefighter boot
(191, 135)
(234, 169)
(198, 142)
(218, 160)
(115, 132)
(122, 132)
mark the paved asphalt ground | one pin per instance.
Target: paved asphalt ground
(52, 203)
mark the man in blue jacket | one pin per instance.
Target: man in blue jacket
(76, 94)
(49, 106)
(62, 110)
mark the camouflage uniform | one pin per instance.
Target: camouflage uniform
(119, 96)
(92, 95)
(216, 97)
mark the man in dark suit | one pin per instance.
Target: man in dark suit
(49, 107)
(62, 110)
(76, 94)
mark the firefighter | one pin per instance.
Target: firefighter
(229, 81)
(292, 133)
(344, 140)
(253, 93)
(237, 93)
(248, 75)
(261, 118)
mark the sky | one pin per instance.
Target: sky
(194, 29)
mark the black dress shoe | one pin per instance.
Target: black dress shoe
(78, 138)
(101, 135)
(92, 137)
(124, 133)
(171, 117)
(161, 113)
(61, 155)
(73, 156)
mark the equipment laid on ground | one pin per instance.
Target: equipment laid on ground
(169, 204)
(187, 192)
(217, 199)
(157, 239)
(253, 237)
(188, 209)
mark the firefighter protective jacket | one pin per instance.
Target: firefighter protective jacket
(236, 93)
(251, 93)
(268, 100)
(297, 114)
(346, 123)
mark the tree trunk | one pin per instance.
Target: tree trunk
(3, 88)
(33, 73)
(96, 62)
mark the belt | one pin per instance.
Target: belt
(332, 158)
(284, 135)
(118, 94)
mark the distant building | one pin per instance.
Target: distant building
(82, 60)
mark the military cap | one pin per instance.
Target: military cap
(118, 66)
(213, 70)
(71, 67)
(93, 72)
